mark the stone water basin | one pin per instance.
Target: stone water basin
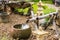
(21, 31)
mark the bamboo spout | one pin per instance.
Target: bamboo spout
(41, 17)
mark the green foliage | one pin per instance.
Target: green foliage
(22, 10)
(48, 10)
(19, 10)
(44, 1)
(48, 2)
(45, 7)
(35, 7)
(35, 0)
(25, 11)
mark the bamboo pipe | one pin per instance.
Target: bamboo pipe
(41, 17)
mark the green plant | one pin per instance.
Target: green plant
(45, 7)
(35, 7)
(22, 10)
(48, 2)
(46, 10)
(35, 0)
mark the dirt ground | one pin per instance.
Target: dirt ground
(6, 27)
(18, 19)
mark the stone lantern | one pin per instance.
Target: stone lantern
(40, 13)
(40, 9)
